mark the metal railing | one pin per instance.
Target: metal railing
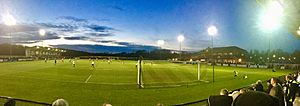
(22, 102)
(204, 102)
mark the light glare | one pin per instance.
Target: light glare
(9, 20)
(271, 17)
(180, 38)
(212, 30)
(160, 42)
(42, 32)
(298, 32)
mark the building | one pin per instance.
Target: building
(230, 54)
(18, 51)
(43, 52)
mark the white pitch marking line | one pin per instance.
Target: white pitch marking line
(88, 79)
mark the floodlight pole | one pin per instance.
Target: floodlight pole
(180, 50)
(140, 72)
(42, 41)
(212, 53)
(10, 47)
(160, 49)
(269, 50)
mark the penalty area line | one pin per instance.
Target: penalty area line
(86, 81)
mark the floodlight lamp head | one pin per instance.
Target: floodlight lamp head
(212, 30)
(180, 38)
(42, 32)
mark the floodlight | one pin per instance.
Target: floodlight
(298, 32)
(271, 17)
(274, 55)
(212, 30)
(42, 32)
(9, 20)
(240, 60)
(180, 38)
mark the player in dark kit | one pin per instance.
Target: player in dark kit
(235, 73)
(93, 64)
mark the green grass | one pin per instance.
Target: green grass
(115, 83)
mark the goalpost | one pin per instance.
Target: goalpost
(198, 71)
(202, 71)
(200, 68)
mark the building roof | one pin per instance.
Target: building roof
(226, 49)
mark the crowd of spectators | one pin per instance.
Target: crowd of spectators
(278, 92)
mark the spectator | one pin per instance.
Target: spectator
(276, 91)
(290, 90)
(224, 92)
(159, 104)
(220, 100)
(234, 94)
(255, 98)
(60, 102)
(297, 101)
(243, 90)
(10, 102)
(298, 77)
(106, 104)
(298, 81)
(269, 86)
(258, 86)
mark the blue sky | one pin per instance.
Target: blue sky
(140, 23)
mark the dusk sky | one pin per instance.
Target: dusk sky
(140, 23)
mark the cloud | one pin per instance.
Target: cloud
(66, 30)
(27, 42)
(99, 28)
(24, 33)
(103, 19)
(4, 29)
(100, 34)
(71, 18)
(118, 43)
(124, 43)
(106, 41)
(30, 36)
(82, 31)
(117, 8)
(75, 38)
(107, 49)
(61, 26)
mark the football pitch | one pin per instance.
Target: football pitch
(115, 83)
